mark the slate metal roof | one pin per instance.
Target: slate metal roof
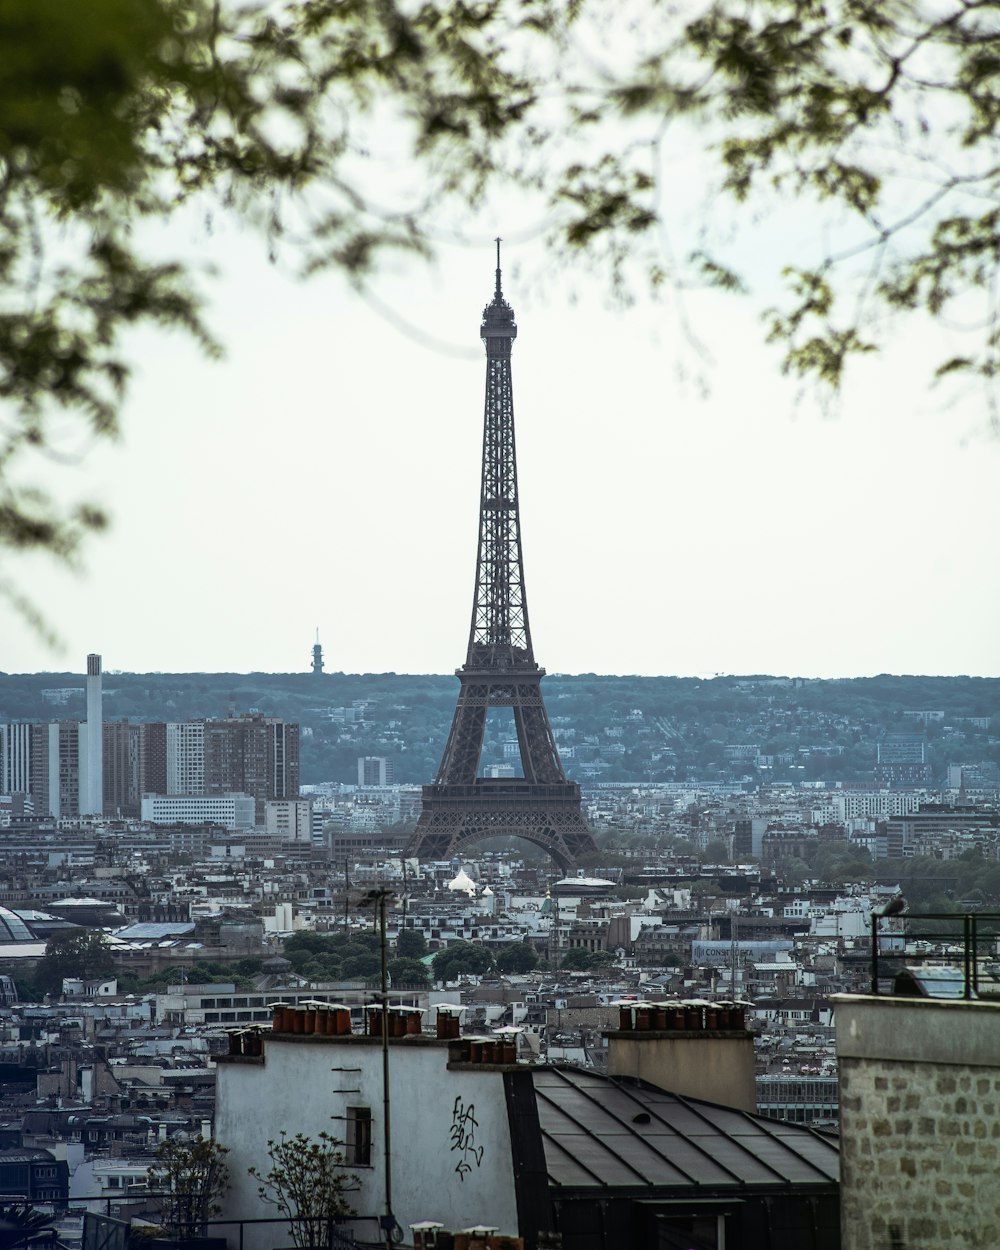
(13, 927)
(606, 1131)
(153, 931)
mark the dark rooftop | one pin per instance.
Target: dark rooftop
(606, 1131)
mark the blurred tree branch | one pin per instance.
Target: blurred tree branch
(878, 115)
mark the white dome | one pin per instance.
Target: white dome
(463, 882)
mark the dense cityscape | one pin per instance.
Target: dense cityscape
(160, 909)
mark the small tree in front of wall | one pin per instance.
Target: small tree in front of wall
(308, 1185)
(192, 1176)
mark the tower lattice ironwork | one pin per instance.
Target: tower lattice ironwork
(500, 670)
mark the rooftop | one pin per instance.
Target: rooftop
(622, 1131)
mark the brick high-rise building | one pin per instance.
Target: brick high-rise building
(153, 758)
(55, 768)
(254, 754)
(121, 768)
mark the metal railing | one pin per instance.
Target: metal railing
(335, 1237)
(961, 940)
(337, 1233)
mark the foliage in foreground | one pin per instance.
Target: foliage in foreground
(192, 1176)
(308, 1185)
(20, 1224)
(346, 131)
(113, 114)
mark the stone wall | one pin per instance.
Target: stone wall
(920, 1124)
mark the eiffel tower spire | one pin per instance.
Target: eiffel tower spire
(500, 636)
(500, 668)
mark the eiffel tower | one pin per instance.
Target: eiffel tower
(500, 670)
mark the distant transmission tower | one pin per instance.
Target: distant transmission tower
(317, 664)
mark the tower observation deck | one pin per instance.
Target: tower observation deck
(500, 670)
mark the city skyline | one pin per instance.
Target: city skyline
(325, 473)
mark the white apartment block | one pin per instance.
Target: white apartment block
(186, 758)
(232, 811)
(290, 819)
(15, 758)
(865, 805)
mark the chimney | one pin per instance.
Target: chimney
(92, 787)
(690, 1047)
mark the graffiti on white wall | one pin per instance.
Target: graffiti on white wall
(463, 1137)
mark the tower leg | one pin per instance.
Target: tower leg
(464, 748)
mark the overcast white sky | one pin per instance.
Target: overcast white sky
(326, 474)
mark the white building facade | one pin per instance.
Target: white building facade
(462, 1173)
(15, 758)
(186, 757)
(232, 811)
(92, 743)
(290, 819)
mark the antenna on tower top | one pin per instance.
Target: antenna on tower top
(498, 241)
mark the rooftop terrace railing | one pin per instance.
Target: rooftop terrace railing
(104, 1232)
(113, 1229)
(946, 952)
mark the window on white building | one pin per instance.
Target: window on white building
(358, 1141)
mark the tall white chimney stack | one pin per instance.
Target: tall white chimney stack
(94, 804)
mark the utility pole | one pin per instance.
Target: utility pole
(733, 949)
(390, 1228)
